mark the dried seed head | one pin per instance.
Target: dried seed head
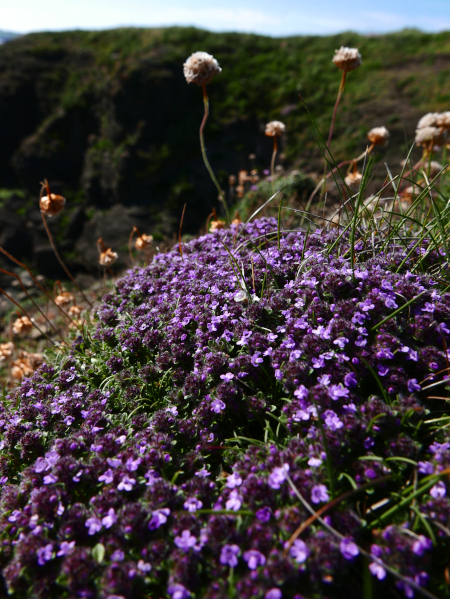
(379, 136)
(200, 68)
(243, 177)
(240, 190)
(353, 179)
(51, 205)
(443, 120)
(22, 325)
(232, 179)
(347, 59)
(108, 257)
(411, 192)
(237, 219)
(215, 225)
(64, 298)
(143, 242)
(25, 365)
(75, 311)
(275, 128)
(429, 120)
(6, 350)
(431, 136)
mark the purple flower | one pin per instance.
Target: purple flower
(110, 518)
(429, 307)
(132, 465)
(425, 467)
(263, 514)
(159, 517)
(192, 504)
(377, 570)
(382, 370)
(337, 391)
(413, 385)
(325, 379)
(438, 491)
(49, 479)
(44, 554)
(319, 493)
(94, 525)
(332, 421)
(65, 548)
(299, 551)
(278, 476)
(350, 380)
(41, 465)
(229, 555)
(234, 480)
(273, 594)
(227, 378)
(118, 556)
(234, 502)
(186, 541)
(113, 462)
(421, 545)
(126, 484)
(144, 567)
(178, 591)
(340, 342)
(348, 548)
(107, 477)
(203, 473)
(254, 559)
(217, 406)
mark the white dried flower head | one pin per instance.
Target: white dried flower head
(25, 365)
(412, 191)
(347, 59)
(64, 298)
(428, 120)
(443, 120)
(242, 177)
(353, 179)
(240, 190)
(379, 136)
(215, 225)
(232, 179)
(275, 128)
(143, 242)
(200, 68)
(108, 257)
(22, 325)
(52, 205)
(241, 296)
(427, 136)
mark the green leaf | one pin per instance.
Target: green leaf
(98, 553)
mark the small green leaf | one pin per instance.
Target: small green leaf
(98, 553)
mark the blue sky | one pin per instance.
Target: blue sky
(280, 17)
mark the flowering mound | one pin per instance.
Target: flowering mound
(254, 418)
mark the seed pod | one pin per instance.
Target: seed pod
(22, 325)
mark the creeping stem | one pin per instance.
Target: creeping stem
(205, 158)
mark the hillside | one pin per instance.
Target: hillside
(109, 119)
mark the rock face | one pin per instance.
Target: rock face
(109, 119)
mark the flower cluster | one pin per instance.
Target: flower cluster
(167, 455)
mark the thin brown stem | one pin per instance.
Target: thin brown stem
(340, 92)
(272, 163)
(21, 264)
(66, 270)
(13, 274)
(135, 230)
(179, 233)
(11, 299)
